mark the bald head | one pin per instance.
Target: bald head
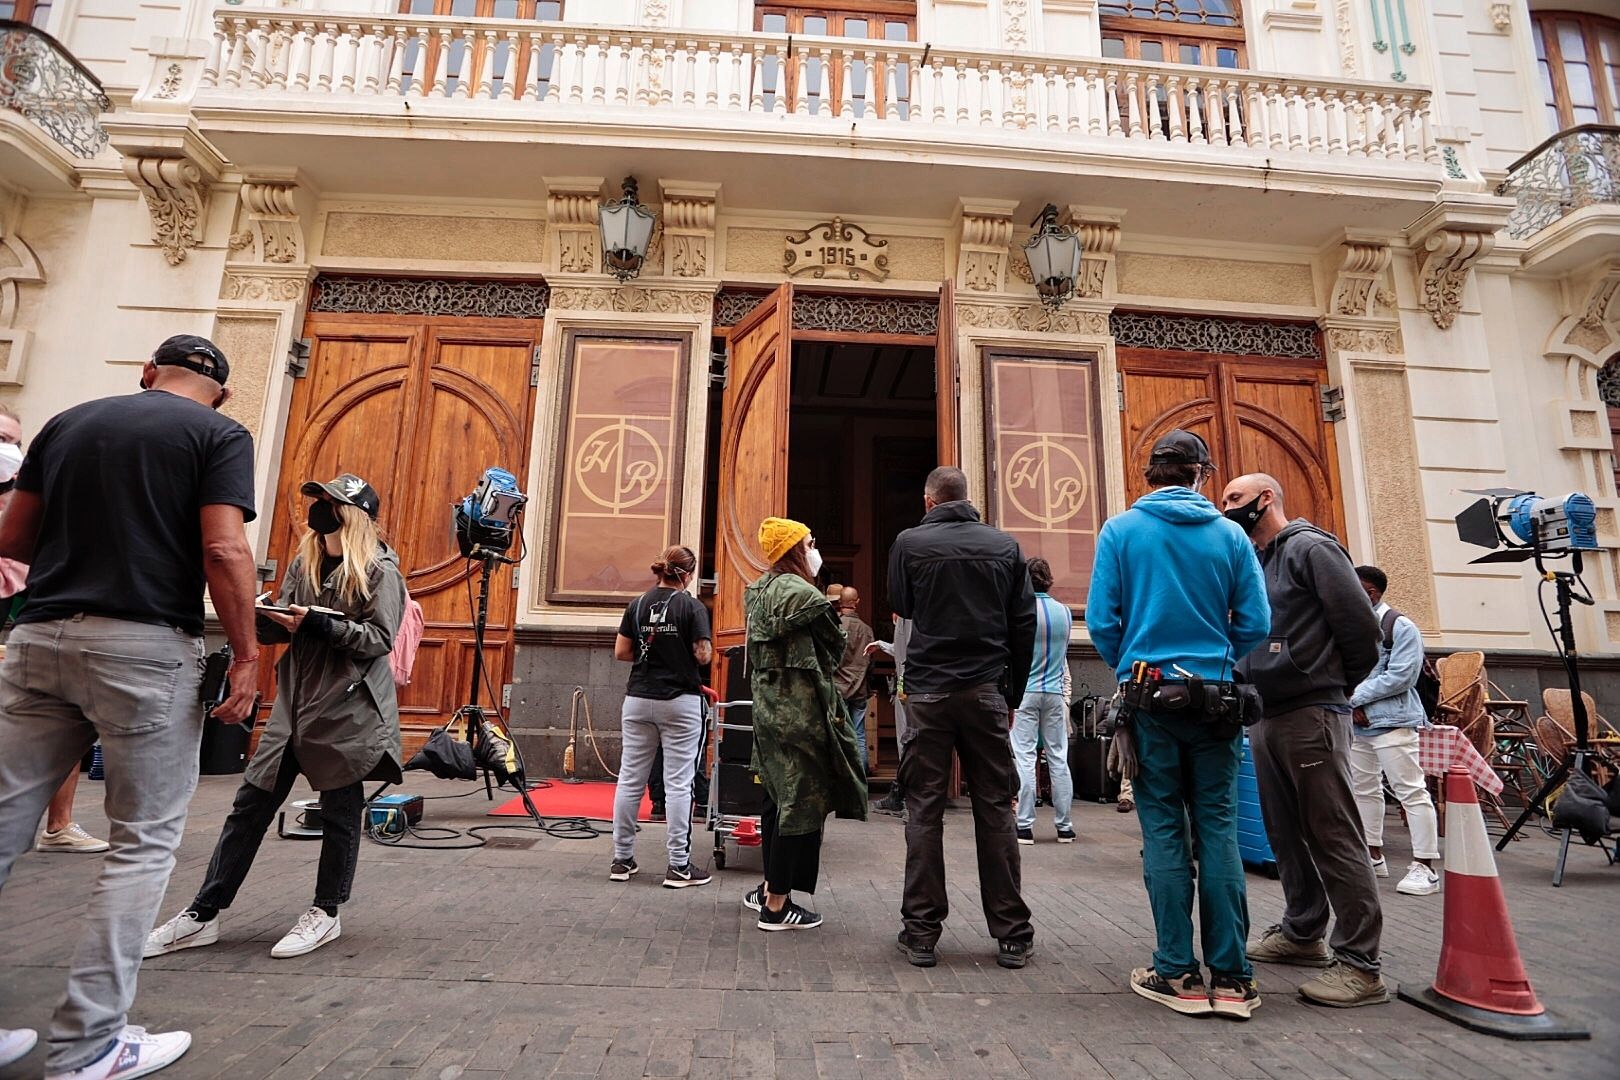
(1255, 502)
(850, 598)
(183, 382)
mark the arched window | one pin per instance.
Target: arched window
(1206, 32)
(1579, 58)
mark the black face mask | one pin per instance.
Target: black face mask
(1248, 515)
(323, 517)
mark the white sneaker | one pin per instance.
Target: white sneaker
(1420, 880)
(1380, 867)
(15, 1043)
(134, 1054)
(183, 931)
(313, 929)
(73, 839)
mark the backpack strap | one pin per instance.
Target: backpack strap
(1387, 624)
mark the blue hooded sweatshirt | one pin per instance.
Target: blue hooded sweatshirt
(1176, 583)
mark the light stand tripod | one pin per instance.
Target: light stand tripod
(1564, 582)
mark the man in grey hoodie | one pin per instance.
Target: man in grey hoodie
(1324, 641)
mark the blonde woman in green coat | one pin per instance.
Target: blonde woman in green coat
(804, 744)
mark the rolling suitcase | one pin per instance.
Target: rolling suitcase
(1088, 753)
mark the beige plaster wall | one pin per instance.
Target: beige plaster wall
(250, 342)
(447, 237)
(1198, 278)
(751, 250)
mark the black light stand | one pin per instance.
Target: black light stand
(1563, 584)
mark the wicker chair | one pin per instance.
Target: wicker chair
(1555, 732)
(1464, 697)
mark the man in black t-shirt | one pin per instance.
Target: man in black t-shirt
(125, 507)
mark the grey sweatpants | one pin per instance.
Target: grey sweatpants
(677, 724)
(1302, 767)
(63, 685)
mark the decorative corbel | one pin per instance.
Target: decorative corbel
(571, 213)
(270, 229)
(984, 229)
(174, 168)
(1447, 242)
(1361, 266)
(1099, 240)
(689, 212)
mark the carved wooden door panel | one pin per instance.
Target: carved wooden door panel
(1274, 425)
(1257, 415)
(753, 455)
(949, 449)
(1163, 392)
(419, 407)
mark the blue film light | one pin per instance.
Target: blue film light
(1566, 523)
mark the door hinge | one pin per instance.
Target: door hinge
(1119, 388)
(534, 367)
(298, 357)
(267, 570)
(1332, 404)
(506, 696)
(719, 369)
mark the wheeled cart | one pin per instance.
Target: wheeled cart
(736, 798)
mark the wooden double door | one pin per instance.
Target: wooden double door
(1257, 415)
(419, 407)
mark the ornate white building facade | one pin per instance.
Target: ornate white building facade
(1372, 246)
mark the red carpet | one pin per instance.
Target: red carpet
(592, 799)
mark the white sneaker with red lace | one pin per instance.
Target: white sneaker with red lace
(134, 1053)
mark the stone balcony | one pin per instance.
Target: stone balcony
(50, 111)
(873, 121)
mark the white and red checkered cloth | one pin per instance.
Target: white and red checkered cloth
(1442, 746)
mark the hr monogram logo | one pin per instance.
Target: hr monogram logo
(1047, 482)
(619, 466)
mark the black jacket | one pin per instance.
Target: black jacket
(966, 590)
(1324, 634)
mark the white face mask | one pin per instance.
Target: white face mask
(11, 458)
(814, 558)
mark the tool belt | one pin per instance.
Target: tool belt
(1229, 705)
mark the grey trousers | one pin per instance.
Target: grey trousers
(63, 685)
(678, 725)
(1302, 767)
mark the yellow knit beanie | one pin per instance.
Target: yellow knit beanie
(778, 535)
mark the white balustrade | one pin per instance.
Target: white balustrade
(542, 66)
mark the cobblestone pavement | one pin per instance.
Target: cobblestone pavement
(527, 962)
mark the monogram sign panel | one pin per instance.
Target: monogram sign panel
(619, 475)
(1045, 462)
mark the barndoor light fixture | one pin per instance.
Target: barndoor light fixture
(627, 229)
(1054, 258)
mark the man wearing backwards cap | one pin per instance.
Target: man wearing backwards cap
(1177, 586)
(125, 507)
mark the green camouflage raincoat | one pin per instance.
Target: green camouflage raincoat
(804, 744)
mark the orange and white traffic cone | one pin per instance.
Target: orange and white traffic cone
(1481, 982)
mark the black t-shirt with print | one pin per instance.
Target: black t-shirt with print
(664, 624)
(124, 480)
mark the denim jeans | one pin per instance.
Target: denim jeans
(1188, 772)
(1043, 718)
(857, 718)
(677, 725)
(341, 812)
(64, 684)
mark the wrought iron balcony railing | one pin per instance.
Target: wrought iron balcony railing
(1575, 168)
(296, 60)
(41, 81)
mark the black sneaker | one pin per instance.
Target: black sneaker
(1234, 997)
(755, 900)
(1184, 994)
(791, 917)
(657, 811)
(892, 803)
(1014, 954)
(1065, 836)
(918, 955)
(685, 877)
(623, 869)
(1026, 836)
